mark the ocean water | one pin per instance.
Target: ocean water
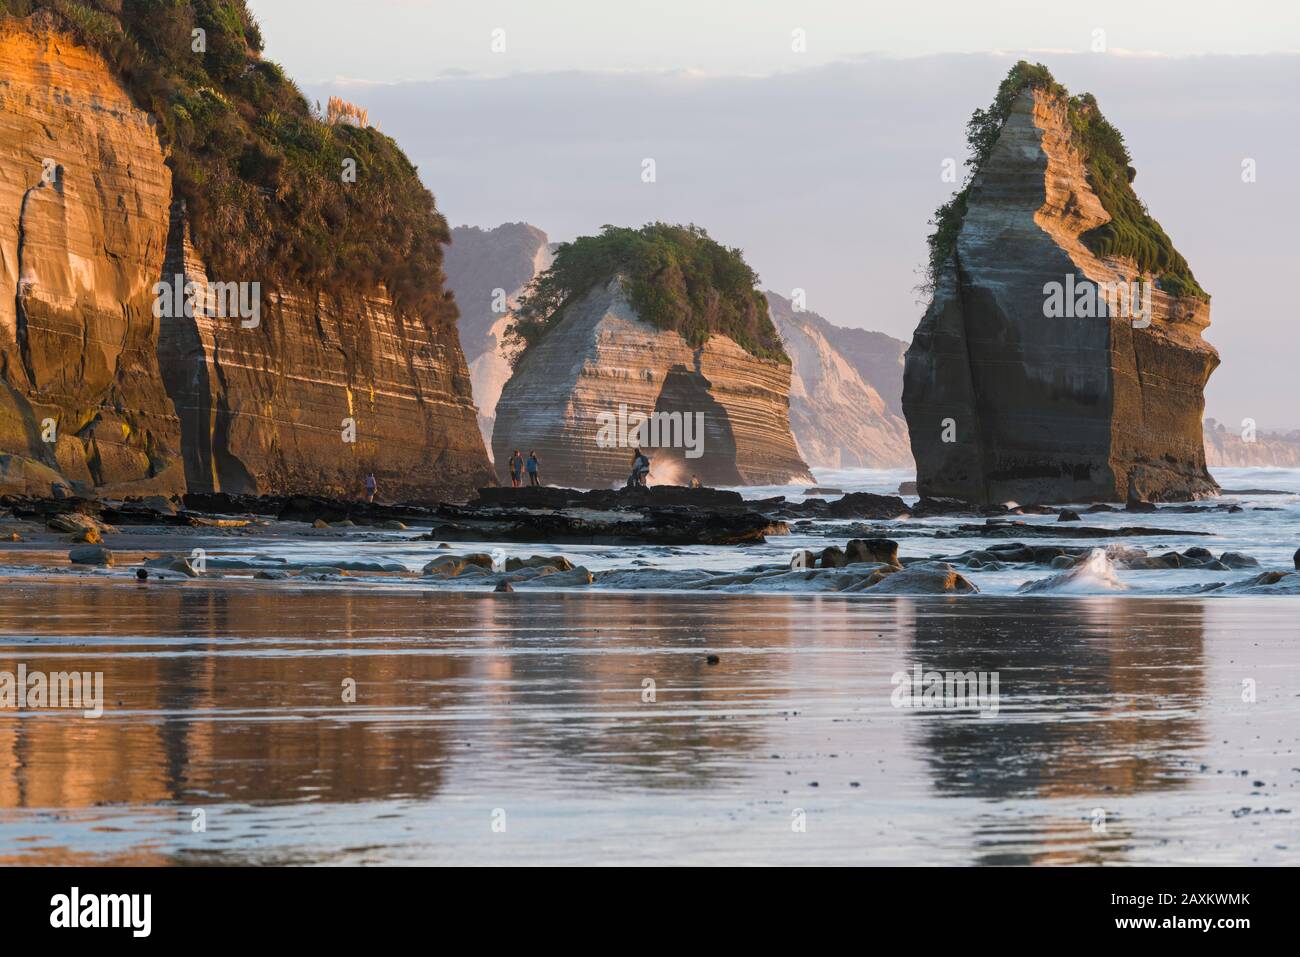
(1268, 530)
(595, 728)
(1128, 726)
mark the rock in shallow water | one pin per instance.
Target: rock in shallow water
(1003, 402)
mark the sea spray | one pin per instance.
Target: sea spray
(1095, 573)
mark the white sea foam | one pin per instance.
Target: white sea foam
(1094, 574)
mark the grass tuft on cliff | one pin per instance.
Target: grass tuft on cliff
(260, 169)
(676, 278)
(1132, 232)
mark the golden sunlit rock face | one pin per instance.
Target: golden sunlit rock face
(1005, 402)
(108, 392)
(84, 194)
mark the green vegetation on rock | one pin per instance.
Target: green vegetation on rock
(261, 171)
(676, 278)
(1131, 232)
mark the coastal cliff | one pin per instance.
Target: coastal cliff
(1006, 400)
(1239, 448)
(839, 419)
(327, 387)
(603, 363)
(348, 361)
(478, 263)
(84, 195)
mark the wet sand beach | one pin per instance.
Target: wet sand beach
(592, 728)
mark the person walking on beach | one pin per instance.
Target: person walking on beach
(371, 487)
(531, 465)
(516, 465)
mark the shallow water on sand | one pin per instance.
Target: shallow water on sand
(1121, 735)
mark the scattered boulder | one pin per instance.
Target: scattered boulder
(172, 563)
(558, 562)
(1068, 515)
(392, 525)
(832, 557)
(76, 523)
(931, 578)
(504, 586)
(1238, 560)
(320, 523)
(89, 536)
(881, 550)
(90, 555)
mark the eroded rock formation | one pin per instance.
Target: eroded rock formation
(838, 419)
(89, 224)
(326, 388)
(487, 269)
(603, 365)
(84, 193)
(1004, 403)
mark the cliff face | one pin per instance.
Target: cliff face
(152, 405)
(84, 194)
(839, 420)
(479, 262)
(1045, 409)
(1232, 448)
(326, 388)
(602, 365)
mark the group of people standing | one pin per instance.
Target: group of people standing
(519, 465)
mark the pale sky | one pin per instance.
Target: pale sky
(824, 167)
(395, 40)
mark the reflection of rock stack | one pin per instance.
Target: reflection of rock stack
(114, 759)
(1082, 659)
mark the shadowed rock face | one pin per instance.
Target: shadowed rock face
(261, 410)
(1050, 409)
(602, 356)
(478, 263)
(839, 420)
(84, 193)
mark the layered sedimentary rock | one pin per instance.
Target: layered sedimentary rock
(487, 269)
(838, 419)
(324, 389)
(1003, 403)
(577, 397)
(84, 195)
(1249, 448)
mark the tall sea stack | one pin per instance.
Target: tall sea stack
(659, 330)
(1061, 358)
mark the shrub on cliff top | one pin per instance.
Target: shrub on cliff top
(260, 170)
(676, 278)
(1131, 232)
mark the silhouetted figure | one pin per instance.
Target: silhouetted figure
(516, 466)
(640, 470)
(695, 482)
(531, 466)
(371, 487)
